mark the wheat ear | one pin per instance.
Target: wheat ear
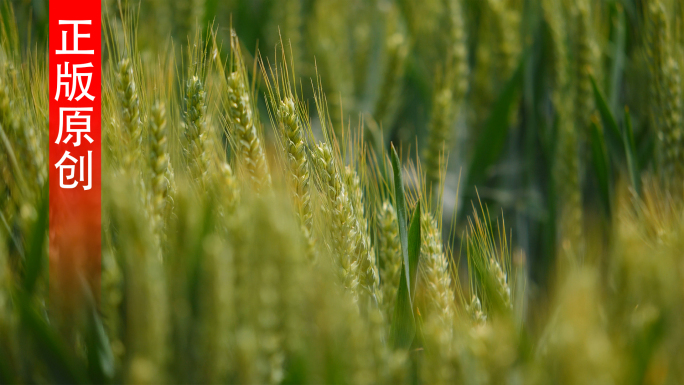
(435, 271)
(159, 163)
(338, 209)
(389, 252)
(364, 254)
(250, 149)
(297, 160)
(196, 132)
(130, 113)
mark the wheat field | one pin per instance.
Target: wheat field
(359, 192)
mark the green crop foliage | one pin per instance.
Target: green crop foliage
(314, 191)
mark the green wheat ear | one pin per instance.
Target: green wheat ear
(244, 124)
(196, 132)
(297, 160)
(666, 101)
(250, 148)
(22, 134)
(145, 302)
(457, 51)
(448, 98)
(389, 256)
(160, 164)
(391, 85)
(439, 137)
(365, 256)
(129, 105)
(435, 272)
(229, 188)
(338, 210)
(505, 26)
(584, 68)
(489, 264)
(566, 174)
(554, 17)
(291, 119)
(673, 136)
(11, 162)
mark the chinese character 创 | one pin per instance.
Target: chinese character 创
(62, 165)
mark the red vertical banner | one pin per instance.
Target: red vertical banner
(75, 149)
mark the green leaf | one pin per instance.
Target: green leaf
(100, 356)
(613, 132)
(645, 344)
(7, 370)
(48, 345)
(630, 150)
(35, 245)
(491, 141)
(414, 240)
(601, 166)
(619, 42)
(403, 328)
(400, 201)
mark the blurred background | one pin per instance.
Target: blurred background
(485, 82)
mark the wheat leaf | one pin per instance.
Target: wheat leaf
(601, 165)
(403, 328)
(493, 138)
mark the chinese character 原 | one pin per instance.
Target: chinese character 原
(72, 121)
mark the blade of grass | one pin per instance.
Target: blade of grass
(48, 345)
(618, 65)
(601, 165)
(644, 347)
(414, 240)
(403, 328)
(18, 171)
(609, 122)
(493, 138)
(35, 245)
(99, 351)
(630, 150)
(400, 201)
